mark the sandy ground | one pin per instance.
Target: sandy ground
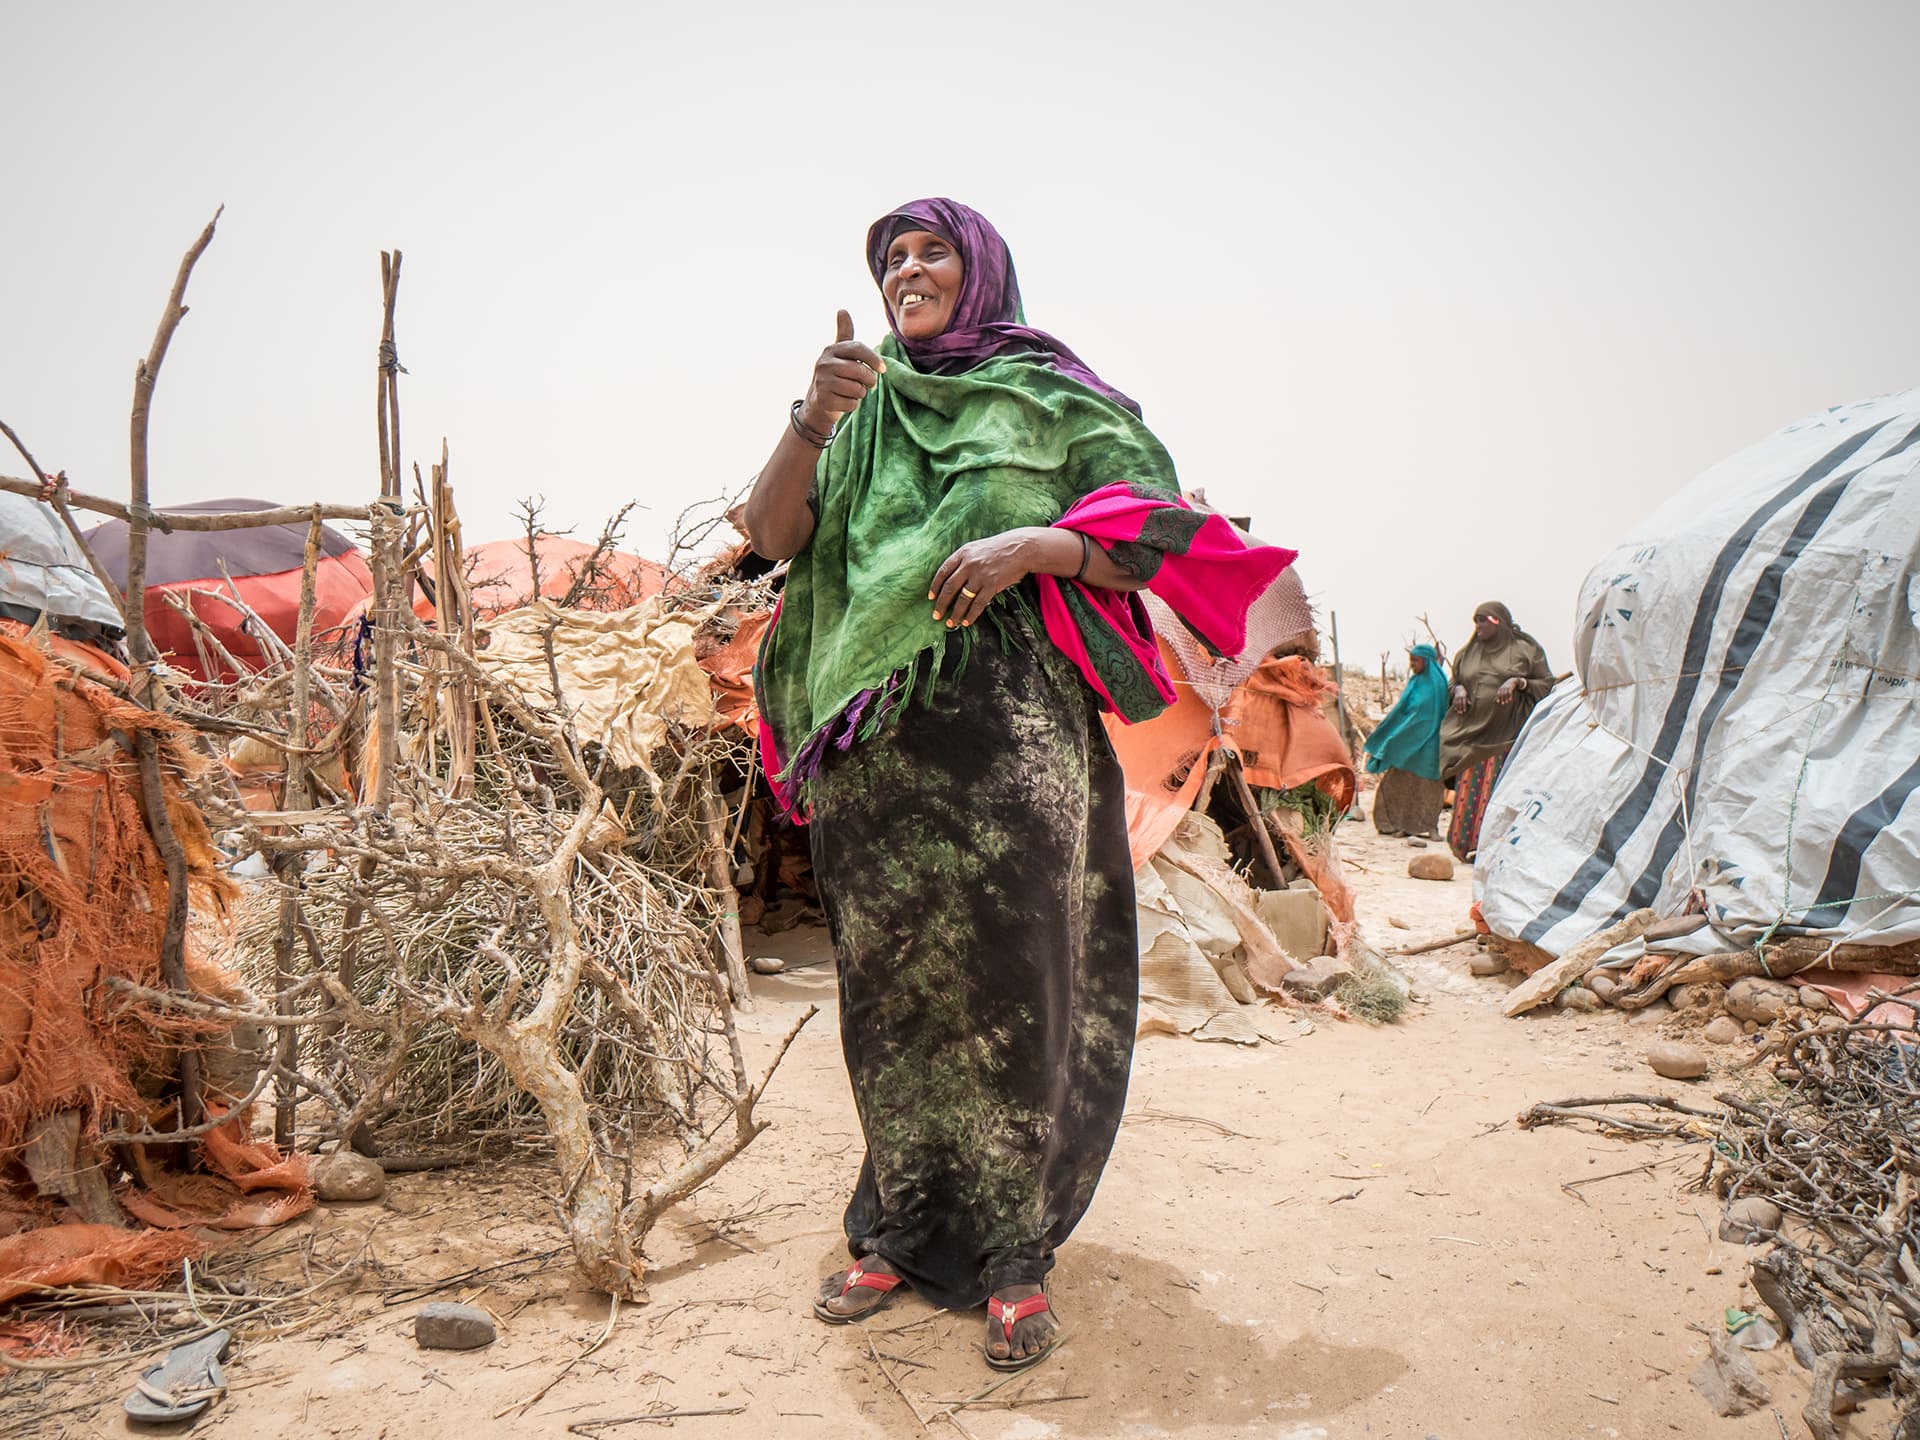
(1339, 1235)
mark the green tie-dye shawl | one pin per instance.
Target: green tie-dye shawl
(925, 464)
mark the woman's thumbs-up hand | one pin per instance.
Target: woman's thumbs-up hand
(842, 376)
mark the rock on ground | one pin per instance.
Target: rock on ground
(767, 964)
(1578, 997)
(1760, 1000)
(1488, 962)
(446, 1326)
(1814, 998)
(1722, 1030)
(1431, 867)
(1676, 1060)
(1702, 995)
(1315, 982)
(344, 1175)
(1745, 1220)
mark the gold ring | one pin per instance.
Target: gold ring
(970, 594)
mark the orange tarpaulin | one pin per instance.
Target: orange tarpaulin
(730, 667)
(1274, 720)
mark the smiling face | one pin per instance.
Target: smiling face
(922, 284)
(1486, 626)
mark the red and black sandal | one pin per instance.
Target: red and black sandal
(858, 1277)
(1010, 1313)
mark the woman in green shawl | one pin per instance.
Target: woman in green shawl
(967, 507)
(1498, 677)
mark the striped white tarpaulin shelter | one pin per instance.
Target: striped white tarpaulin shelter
(1743, 719)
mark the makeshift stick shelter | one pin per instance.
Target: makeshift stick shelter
(1250, 742)
(496, 912)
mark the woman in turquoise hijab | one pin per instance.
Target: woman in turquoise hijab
(1405, 751)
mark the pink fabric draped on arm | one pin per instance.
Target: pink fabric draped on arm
(1211, 581)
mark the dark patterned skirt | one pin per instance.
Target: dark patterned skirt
(1407, 804)
(1471, 787)
(972, 859)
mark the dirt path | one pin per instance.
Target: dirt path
(1340, 1235)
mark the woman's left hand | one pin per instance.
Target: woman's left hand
(1508, 690)
(975, 573)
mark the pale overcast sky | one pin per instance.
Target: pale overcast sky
(1445, 294)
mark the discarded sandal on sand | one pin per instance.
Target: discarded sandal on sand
(858, 1277)
(183, 1385)
(1009, 1313)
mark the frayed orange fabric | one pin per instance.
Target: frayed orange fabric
(82, 888)
(83, 895)
(90, 1255)
(1274, 720)
(1283, 735)
(729, 668)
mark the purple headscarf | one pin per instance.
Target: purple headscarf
(987, 317)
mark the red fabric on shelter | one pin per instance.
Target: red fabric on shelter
(340, 584)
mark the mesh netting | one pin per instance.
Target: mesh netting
(1281, 613)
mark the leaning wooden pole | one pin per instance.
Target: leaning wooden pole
(1261, 836)
(294, 797)
(386, 544)
(454, 620)
(387, 397)
(153, 794)
(1340, 684)
(713, 833)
